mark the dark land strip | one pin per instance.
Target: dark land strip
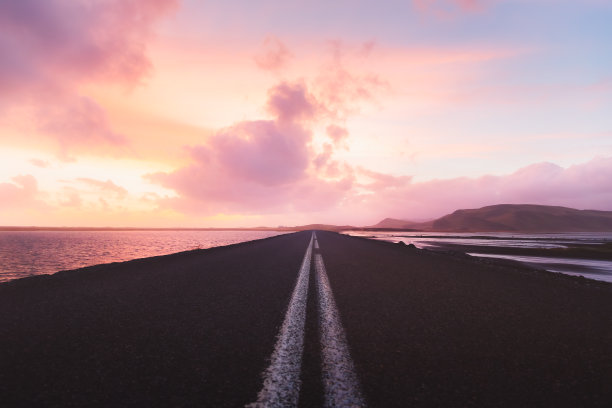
(198, 329)
(431, 329)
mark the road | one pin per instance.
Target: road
(298, 321)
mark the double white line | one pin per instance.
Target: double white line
(281, 387)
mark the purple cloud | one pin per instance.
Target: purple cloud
(256, 166)
(50, 48)
(273, 56)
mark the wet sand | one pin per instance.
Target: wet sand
(198, 328)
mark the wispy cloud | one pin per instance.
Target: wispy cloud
(22, 192)
(105, 186)
(273, 56)
(43, 164)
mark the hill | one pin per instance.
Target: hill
(524, 218)
(392, 223)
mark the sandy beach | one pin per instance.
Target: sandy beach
(198, 328)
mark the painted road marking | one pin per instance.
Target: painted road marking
(281, 387)
(339, 377)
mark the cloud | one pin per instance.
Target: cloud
(51, 42)
(341, 90)
(71, 198)
(105, 186)
(380, 181)
(43, 164)
(585, 186)
(338, 135)
(77, 122)
(272, 166)
(273, 56)
(21, 193)
(257, 166)
(52, 48)
(291, 102)
(323, 158)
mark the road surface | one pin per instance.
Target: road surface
(298, 321)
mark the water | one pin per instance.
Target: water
(26, 253)
(598, 269)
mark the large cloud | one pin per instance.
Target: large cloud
(50, 48)
(257, 166)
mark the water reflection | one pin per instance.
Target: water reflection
(25, 253)
(599, 269)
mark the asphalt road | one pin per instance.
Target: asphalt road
(193, 329)
(428, 329)
(200, 329)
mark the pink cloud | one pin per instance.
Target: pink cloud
(265, 152)
(77, 122)
(584, 186)
(340, 90)
(105, 186)
(291, 102)
(337, 134)
(51, 48)
(257, 166)
(323, 158)
(54, 41)
(271, 166)
(71, 198)
(43, 164)
(381, 181)
(21, 193)
(273, 56)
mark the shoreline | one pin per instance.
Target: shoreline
(24, 254)
(590, 259)
(454, 250)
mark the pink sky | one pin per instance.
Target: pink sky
(162, 113)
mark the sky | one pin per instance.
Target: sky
(193, 113)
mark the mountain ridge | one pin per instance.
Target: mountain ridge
(513, 218)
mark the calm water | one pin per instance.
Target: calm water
(26, 253)
(589, 268)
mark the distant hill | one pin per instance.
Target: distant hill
(404, 225)
(392, 223)
(524, 218)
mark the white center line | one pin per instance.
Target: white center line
(281, 387)
(339, 377)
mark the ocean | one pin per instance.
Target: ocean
(27, 253)
(541, 251)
